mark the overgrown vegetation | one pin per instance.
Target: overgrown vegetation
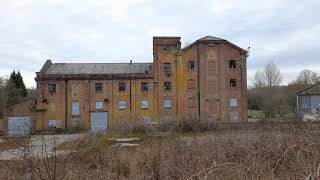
(231, 151)
(13, 90)
(268, 96)
(8, 143)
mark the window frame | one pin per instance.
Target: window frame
(122, 105)
(233, 83)
(165, 103)
(167, 85)
(98, 88)
(232, 116)
(102, 105)
(144, 87)
(166, 49)
(232, 64)
(144, 106)
(122, 86)
(75, 113)
(54, 87)
(191, 65)
(167, 67)
(233, 102)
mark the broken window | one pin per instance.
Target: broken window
(122, 86)
(167, 67)
(122, 104)
(190, 65)
(166, 49)
(233, 83)
(99, 87)
(144, 104)
(99, 105)
(52, 88)
(144, 86)
(232, 64)
(233, 102)
(167, 86)
(167, 103)
(75, 108)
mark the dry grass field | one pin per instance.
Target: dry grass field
(223, 151)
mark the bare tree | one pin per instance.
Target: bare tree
(258, 79)
(266, 79)
(271, 75)
(307, 77)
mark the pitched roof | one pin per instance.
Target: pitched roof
(98, 68)
(215, 39)
(312, 90)
(211, 38)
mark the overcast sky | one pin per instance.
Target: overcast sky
(31, 31)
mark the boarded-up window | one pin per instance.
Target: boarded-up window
(52, 87)
(54, 124)
(212, 70)
(122, 86)
(166, 49)
(99, 87)
(145, 120)
(122, 104)
(167, 103)
(191, 84)
(99, 105)
(144, 104)
(191, 102)
(75, 108)
(234, 116)
(233, 102)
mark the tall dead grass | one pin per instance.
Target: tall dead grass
(229, 151)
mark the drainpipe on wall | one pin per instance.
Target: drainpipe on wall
(199, 99)
(66, 104)
(130, 93)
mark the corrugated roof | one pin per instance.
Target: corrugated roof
(99, 68)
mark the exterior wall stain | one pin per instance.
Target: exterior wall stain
(198, 74)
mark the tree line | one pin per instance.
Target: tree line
(273, 99)
(13, 90)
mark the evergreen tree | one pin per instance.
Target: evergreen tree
(12, 78)
(16, 87)
(20, 85)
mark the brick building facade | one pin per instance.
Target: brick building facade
(203, 81)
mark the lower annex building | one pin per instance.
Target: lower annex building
(204, 81)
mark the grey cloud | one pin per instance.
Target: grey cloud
(93, 31)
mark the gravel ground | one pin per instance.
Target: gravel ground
(40, 146)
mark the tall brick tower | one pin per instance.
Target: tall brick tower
(165, 54)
